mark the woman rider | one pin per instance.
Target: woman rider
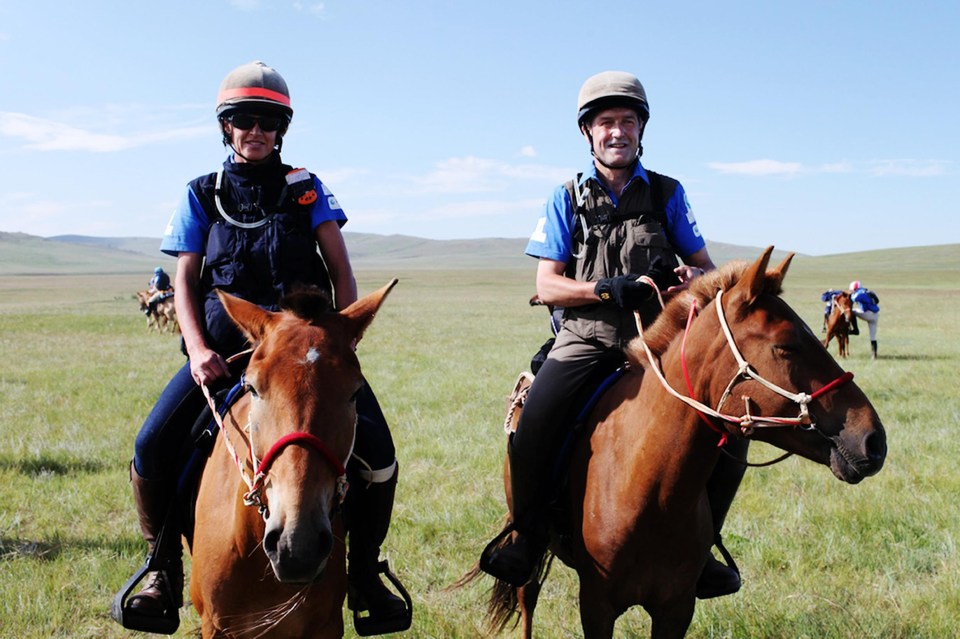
(257, 228)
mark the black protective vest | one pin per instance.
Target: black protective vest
(259, 264)
(611, 240)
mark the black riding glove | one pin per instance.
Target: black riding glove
(625, 291)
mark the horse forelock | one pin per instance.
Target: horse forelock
(703, 290)
(307, 302)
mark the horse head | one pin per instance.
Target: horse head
(764, 374)
(792, 371)
(845, 304)
(300, 413)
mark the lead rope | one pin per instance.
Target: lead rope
(254, 482)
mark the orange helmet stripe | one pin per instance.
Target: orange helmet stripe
(253, 92)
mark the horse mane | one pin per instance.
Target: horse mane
(673, 319)
(307, 302)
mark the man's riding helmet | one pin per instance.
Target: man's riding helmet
(611, 90)
(854, 285)
(254, 88)
(608, 90)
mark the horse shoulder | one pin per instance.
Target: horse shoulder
(608, 467)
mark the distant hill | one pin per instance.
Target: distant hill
(22, 254)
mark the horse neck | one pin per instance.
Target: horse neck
(654, 430)
(709, 364)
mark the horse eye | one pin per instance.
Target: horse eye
(248, 388)
(786, 350)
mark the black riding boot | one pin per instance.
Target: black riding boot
(369, 507)
(515, 554)
(873, 348)
(854, 329)
(718, 579)
(163, 588)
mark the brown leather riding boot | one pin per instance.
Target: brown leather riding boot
(370, 507)
(163, 588)
(719, 579)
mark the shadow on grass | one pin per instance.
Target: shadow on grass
(915, 358)
(49, 465)
(123, 545)
(25, 549)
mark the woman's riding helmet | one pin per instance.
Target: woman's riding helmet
(854, 285)
(255, 88)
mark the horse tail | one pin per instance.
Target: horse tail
(503, 607)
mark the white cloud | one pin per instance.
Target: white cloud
(476, 175)
(879, 168)
(481, 208)
(315, 9)
(528, 152)
(42, 134)
(910, 168)
(246, 5)
(757, 167)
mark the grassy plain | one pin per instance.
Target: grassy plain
(79, 371)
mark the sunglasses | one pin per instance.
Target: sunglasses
(246, 121)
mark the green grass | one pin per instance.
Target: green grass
(79, 372)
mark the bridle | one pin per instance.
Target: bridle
(261, 468)
(747, 422)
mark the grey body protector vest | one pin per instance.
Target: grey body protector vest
(611, 240)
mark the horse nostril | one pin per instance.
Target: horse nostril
(271, 540)
(876, 446)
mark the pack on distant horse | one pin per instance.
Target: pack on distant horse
(729, 359)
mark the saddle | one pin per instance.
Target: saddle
(599, 382)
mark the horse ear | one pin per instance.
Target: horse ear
(252, 320)
(361, 313)
(780, 272)
(752, 283)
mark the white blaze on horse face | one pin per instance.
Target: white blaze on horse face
(312, 355)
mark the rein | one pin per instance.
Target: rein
(261, 468)
(747, 422)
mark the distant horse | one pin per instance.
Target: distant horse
(838, 325)
(163, 317)
(636, 522)
(278, 570)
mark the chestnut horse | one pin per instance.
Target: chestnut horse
(278, 570)
(838, 325)
(164, 313)
(636, 521)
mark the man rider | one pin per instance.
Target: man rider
(600, 232)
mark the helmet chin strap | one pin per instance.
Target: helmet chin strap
(228, 142)
(628, 165)
(610, 166)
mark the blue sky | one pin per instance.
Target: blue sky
(821, 127)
